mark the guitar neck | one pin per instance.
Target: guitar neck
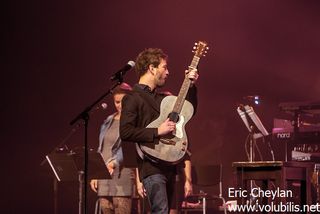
(185, 87)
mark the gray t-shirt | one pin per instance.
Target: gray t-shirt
(122, 181)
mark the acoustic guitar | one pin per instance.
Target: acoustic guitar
(172, 148)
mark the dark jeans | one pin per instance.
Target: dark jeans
(156, 187)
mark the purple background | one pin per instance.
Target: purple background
(59, 55)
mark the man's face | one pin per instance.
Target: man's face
(161, 73)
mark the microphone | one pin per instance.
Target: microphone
(119, 74)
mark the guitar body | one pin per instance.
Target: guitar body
(170, 148)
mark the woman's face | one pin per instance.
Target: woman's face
(117, 98)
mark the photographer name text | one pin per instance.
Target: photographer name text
(258, 192)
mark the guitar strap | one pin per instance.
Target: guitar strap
(140, 153)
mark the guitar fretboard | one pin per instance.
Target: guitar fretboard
(185, 87)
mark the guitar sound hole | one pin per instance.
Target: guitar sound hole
(174, 117)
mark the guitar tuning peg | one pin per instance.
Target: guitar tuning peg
(207, 48)
(196, 43)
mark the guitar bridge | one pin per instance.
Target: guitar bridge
(167, 141)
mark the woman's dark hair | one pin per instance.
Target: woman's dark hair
(123, 88)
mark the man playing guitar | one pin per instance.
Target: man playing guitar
(140, 108)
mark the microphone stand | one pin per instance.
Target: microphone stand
(252, 143)
(84, 115)
(251, 128)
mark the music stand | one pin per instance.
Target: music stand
(69, 167)
(256, 130)
(253, 124)
(63, 166)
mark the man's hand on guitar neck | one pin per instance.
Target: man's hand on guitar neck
(192, 75)
(166, 127)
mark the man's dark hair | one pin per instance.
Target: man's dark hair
(150, 56)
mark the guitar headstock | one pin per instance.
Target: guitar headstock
(200, 48)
